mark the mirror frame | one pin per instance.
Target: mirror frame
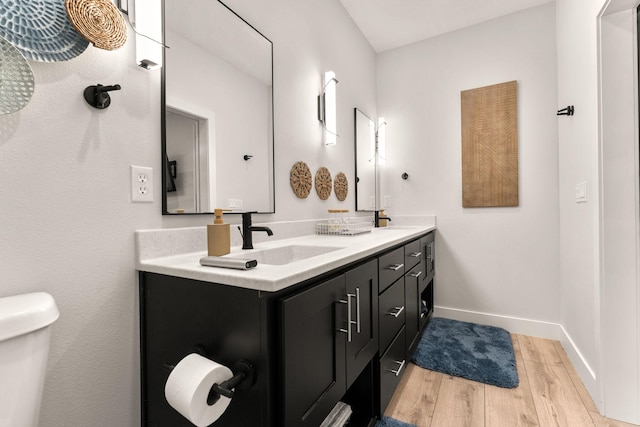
(163, 124)
(356, 110)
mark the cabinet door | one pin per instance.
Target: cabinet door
(313, 349)
(362, 289)
(429, 253)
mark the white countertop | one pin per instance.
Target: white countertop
(269, 277)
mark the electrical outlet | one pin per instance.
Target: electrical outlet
(386, 202)
(581, 192)
(141, 184)
(235, 203)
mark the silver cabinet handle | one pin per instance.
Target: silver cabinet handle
(430, 252)
(416, 275)
(415, 254)
(397, 371)
(395, 267)
(349, 321)
(358, 310)
(398, 311)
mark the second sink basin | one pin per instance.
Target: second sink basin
(288, 254)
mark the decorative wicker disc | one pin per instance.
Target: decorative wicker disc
(324, 183)
(300, 180)
(341, 186)
(99, 21)
(16, 79)
(40, 30)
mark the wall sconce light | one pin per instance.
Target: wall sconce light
(381, 143)
(327, 108)
(146, 21)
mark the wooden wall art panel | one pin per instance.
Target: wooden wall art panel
(490, 145)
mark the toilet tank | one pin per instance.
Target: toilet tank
(24, 349)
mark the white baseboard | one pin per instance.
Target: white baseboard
(516, 325)
(534, 328)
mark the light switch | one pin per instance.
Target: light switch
(581, 192)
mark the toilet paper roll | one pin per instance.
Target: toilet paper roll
(188, 386)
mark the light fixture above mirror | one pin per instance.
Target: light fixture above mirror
(380, 149)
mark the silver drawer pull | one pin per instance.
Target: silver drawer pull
(431, 256)
(395, 267)
(397, 313)
(415, 254)
(415, 274)
(358, 329)
(349, 321)
(397, 371)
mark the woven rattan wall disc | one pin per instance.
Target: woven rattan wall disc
(99, 21)
(300, 180)
(341, 186)
(324, 183)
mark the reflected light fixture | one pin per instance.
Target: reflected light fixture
(327, 108)
(373, 132)
(146, 21)
(381, 136)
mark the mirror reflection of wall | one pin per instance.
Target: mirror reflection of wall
(218, 118)
(366, 182)
(186, 135)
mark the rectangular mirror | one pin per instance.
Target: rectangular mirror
(217, 111)
(365, 136)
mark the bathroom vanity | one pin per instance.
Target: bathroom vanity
(335, 324)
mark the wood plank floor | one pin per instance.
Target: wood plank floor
(550, 394)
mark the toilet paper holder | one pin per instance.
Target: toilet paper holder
(243, 377)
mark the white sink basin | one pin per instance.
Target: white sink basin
(287, 254)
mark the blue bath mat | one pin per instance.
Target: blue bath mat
(390, 422)
(476, 352)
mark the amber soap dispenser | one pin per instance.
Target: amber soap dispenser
(218, 235)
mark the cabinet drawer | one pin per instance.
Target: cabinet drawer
(412, 254)
(392, 367)
(391, 315)
(391, 266)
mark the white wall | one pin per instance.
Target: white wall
(597, 73)
(578, 159)
(501, 261)
(66, 221)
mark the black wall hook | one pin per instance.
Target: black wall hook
(247, 156)
(405, 176)
(98, 96)
(566, 111)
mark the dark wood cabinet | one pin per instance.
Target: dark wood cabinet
(344, 335)
(417, 308)
(329, 336)
(362, 285)
(313, 353)
(429, 254)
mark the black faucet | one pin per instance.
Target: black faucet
(377, 218)
(248, 229)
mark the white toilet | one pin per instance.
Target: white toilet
(24, 349)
